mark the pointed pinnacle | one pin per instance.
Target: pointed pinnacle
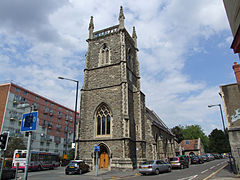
(134, 35)
(91, 25)
(121, 15)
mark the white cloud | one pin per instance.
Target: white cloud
(41, 41)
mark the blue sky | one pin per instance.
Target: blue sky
(184, 51)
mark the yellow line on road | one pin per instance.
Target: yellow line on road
(215, 172)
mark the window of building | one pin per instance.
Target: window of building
(130, 75)
(17, 89)
(103, 121)
(46, 101)
(36, 97)
(25, 93)
(104, 55)
(129, 57)
(187, 142)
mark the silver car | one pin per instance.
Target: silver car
(154, 167)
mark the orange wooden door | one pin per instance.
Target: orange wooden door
(104, 160)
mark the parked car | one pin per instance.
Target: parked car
(210, 157)
(154, 167)
(205, 158)
(217, 156)
(179, 162)
(197, 160)
(8, 173)
(76, 166)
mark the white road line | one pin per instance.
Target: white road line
(193, 177)
(212, 167)
(189, 178)
(218, 164)
(204, 171)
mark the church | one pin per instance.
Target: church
(113, 114)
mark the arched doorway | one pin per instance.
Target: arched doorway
(103, 157)
(191, 154)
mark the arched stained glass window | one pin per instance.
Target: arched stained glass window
(103, 120)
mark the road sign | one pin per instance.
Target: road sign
(96, 148)
(29, 121)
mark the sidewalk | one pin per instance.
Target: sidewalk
(225, 174)
(114, 174)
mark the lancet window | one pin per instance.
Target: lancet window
(103, 121)
(104, 55)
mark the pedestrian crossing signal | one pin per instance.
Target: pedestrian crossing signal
(4, 140)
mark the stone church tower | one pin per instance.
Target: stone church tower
(113, 114)
(112, 105)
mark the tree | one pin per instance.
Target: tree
(177, 131)
(195, 132)
(14, 143)
(218, 142)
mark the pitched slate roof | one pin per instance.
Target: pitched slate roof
(157, 121)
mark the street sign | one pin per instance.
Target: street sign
(29, 122)
(96, 148)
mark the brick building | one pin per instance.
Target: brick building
(113, 114)
(192, 147)
(55, 122)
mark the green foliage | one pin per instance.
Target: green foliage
(178, 133)
(14, 143)
(195, 132)
(70, 154)
(218, 142)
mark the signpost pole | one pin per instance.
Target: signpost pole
(2, 164)
(96, 163)
(29, 124)
(28, 155)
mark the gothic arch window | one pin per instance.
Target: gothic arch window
(104, 55)
(103, 121)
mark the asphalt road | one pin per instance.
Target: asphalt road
(196, 172)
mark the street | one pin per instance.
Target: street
(196, 172)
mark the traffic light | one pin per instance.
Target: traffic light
(3, 140)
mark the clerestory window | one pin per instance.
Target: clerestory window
(103, 121)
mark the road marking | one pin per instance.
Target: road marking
(193, 177)
(218, 164)
(189, 178)
(215, 172)
(212, 167)
(204, 171)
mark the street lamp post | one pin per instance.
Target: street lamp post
(224, 132)
(75, 114)
(221, 115)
